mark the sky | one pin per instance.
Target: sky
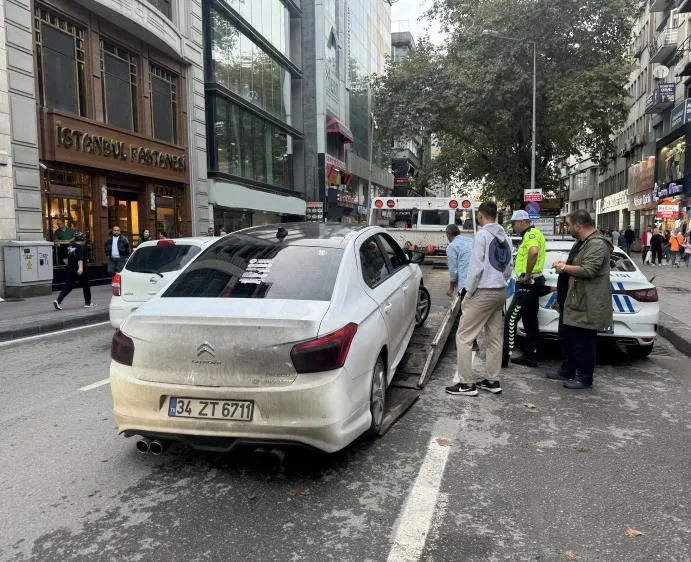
(404, 17)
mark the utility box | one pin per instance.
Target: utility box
(28, 268)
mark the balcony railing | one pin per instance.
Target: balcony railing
(683, 66)
(665, 45)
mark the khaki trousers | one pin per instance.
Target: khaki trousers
(483, 310)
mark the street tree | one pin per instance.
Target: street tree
(475, 92)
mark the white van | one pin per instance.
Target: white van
(151, 268)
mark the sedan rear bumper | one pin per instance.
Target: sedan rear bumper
(119, 310)
(323, 412)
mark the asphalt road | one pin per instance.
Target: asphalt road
(457, 479)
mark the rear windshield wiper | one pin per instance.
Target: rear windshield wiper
(151, 271)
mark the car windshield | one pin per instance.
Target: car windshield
(618, 261)
(245, 267)
(161, 259)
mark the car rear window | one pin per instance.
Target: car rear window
(618, 262)
(244, 267)
(161, 259)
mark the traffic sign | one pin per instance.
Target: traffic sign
(532, 195)
(533, 209)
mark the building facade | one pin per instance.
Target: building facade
(106, 121)
(253, 85)
(344, 43)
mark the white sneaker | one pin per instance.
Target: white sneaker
(57, 306)
(92, 305)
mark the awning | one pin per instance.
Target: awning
(334, 126)
(234, 196)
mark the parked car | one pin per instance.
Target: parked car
(634, 300)
(151, 268)
(274, 334)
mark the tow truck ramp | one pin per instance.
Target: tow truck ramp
(424, 350)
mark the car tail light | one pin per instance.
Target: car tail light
(117, 285)
(643, 295)
(324, 354)
(166, 242)
(122, 349)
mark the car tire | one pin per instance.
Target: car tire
(423, 306)
(377, 397)
(639, 351)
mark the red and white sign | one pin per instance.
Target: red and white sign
(424, 203)
(668, 209)
(532, 195)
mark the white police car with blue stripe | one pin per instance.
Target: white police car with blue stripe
(634, 300)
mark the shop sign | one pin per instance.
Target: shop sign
(668, 209)
(614, 202)
(669, 190)
(117, 149)
(681, 114)
(545, 225)
(345, 200)
(335, 162)
(641, 201)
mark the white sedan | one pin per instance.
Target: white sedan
(634, 300)
(275, 334)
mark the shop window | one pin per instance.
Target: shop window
(164, 104)
(119, 77)
(61, 61)
(163, 6)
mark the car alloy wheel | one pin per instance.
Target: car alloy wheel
(424, 303)
(377, 402)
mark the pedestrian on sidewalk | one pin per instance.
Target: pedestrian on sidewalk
(77, 273)
(490, 270)
(458, 254)
(144, 237)
(687, 248)
(676, 245)
(629, 238)
(645, 243)
(615, 237)
(118, 249)
(525, 305)
(657, 242)
(584, 301)
(666, 246)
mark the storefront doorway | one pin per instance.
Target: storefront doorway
(123, 210)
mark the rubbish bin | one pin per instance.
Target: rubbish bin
(28, 268)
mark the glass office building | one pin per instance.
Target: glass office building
(253, 144)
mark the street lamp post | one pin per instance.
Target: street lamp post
(494, 33)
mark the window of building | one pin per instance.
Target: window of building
(164, 104)
(61, 61)
(163, 6)
(249, 147)
(269, 17)
(119, 77)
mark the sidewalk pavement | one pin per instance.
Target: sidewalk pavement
(674, 291)
(29, 317)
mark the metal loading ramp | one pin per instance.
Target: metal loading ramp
(425, 347)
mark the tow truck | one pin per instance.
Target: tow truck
(419, 223)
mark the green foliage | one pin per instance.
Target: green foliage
(475, 93)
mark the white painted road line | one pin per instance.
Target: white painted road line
(94, 385)
(39, 336)
(415, 520)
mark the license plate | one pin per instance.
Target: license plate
(607, 330)
(236, 410)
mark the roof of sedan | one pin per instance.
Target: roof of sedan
(303, 233)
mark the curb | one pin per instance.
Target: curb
(53, 326)
(678, 333)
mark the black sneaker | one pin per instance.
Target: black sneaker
(462, 389)
(490, 386)
(578, 384)
(558, 376)
(524, 360)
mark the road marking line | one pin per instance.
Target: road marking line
(415, 520)
(94, 385)
(39, 336)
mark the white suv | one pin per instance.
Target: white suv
(151, 268)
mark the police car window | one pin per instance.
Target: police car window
(374, 268)
(393, 250)
(621, 262)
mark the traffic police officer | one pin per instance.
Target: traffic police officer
(530, 261)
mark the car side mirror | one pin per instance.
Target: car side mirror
(416, 257)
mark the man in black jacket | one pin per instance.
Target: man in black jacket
(118, 249)
(629, 237)
(77, 273)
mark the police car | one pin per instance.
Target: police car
(634, 301)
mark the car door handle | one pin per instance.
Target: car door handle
(387, 308)
(405, 288)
